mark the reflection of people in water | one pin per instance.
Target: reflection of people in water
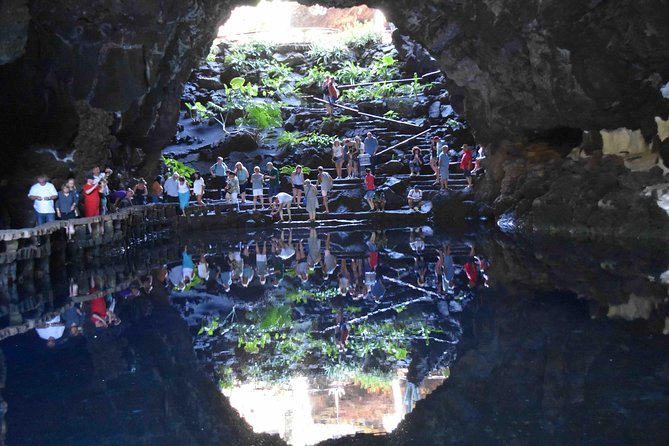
(344, 278)
(248, 270)
(261, 263)
(286, 250)
(445, 270)
(301, 267)
(483, 269)
(470, 269)
(203, 267)
(341, 331)
(51, 330)
(236, 263)
(420, 267)
(358, 288)
(187, 267)
(416, 240)
(375, 288)
(314, 254)
(329, 263)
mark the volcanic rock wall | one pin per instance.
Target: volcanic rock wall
(516, 68)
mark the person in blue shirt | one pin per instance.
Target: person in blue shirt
(219, 172)
(371, 147)
(444, 162)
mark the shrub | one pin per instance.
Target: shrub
(288, 139)
(174, 166)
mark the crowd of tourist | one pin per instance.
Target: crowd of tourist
(352, 158)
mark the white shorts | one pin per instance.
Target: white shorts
(232, 197)
(257, 192)
(324, 192)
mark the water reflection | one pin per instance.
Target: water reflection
(316, 334)
(307, 410)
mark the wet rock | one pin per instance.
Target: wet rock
(415, 58)
(434, 111)
(347, 200)
(451, 208)
(209, 83)
(375, 107)
(241, 140)
(289, 124)
(398, 186)
(392, 167)
(403, 106)
(291, 59)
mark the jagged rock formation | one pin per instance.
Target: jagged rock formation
(515, 68)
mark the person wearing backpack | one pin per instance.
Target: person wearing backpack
(330, 93)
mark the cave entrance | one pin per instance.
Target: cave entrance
(285, 22)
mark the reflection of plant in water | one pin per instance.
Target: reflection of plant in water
(371, 380)
(226, 377)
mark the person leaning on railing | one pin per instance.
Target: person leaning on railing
(43, 194)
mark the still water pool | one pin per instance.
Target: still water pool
(316, 334)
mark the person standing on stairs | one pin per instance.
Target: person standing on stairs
(416, 161)
(371, 147)
(243, 177)
(232, 188)
(257, 186)
(330, 94)
(466, 164)
(444, 164)
(297, 180)
(325, 180)
(338, 157)
(435, 149)
(352, 152)
(219, 172)
(311, 199)
(370, 186)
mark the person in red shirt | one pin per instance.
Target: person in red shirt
(466, 164)
(91, 197)
(471, 270)
(369, 184)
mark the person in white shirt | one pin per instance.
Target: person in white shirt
(172, 188)
(198, 188)
(43, 194)
(415, 198)
(280, 202)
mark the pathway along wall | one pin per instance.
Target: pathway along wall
(100, 81)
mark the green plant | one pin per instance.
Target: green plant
(288, 170)
(180, 168)
(319, 140)
(211, 57)
(343, 118)
(384, 68)
(361, 35)
(314, 78)
(198, 112)
(322, 53)
(351, 73)
(455, 125)
(288, 139)
(392, 114)
(263, 115)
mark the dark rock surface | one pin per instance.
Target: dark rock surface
(534, 188)
(138, 383)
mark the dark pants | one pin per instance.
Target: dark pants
(67, 215)
(171, 199)
(219, 183)
(273, 189)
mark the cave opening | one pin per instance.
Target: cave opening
(274, 57)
